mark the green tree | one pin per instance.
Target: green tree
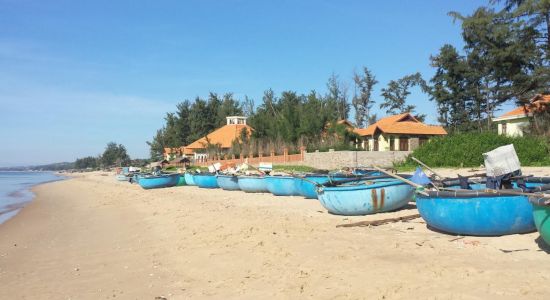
(157, 145)
(229, 106)
(396, 93)
(450, 88)
(337, 97)
(115, 155)
(362, 102)
(86, 162)
(248, 106)
(504, 59)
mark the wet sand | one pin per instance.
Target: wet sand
(92, 237)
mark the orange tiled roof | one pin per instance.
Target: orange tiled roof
(401, 124)
(223, 136)
(536, 103)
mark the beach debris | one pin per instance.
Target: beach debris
(514, 250)
(382, 222)
(160, 298)
(456, 239)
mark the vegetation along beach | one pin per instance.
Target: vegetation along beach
(275, 150)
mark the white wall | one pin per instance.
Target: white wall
(514, 127)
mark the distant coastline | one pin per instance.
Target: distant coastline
(40, 168)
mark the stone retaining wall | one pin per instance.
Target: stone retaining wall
(338, 159)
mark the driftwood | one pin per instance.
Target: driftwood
(380, 222)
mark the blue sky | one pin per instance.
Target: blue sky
(75, 75)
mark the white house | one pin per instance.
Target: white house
(515, 121)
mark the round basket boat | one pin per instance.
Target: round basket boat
(206, 181)
(476, 212)
(228, 182)
(161, 181)
(252, 184)
(281, 185)
(364, 199)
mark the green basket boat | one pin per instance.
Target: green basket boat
(541, 214)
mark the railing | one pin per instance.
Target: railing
(275, 159)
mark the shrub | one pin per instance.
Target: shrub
(466, 149)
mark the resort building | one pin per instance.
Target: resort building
(222, 137)
(514, 122)
(401, 132)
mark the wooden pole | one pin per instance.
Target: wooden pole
(381, 222)
(504, 192)
(402, 179)
(427, 168)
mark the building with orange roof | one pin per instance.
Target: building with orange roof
(222, 137)
(514, 122)
(401, 132)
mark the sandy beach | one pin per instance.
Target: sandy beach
(92, 237)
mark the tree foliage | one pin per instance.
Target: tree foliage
(87, 162)
(396, 93)
(363, 102)
(504, 59)
(115, 155)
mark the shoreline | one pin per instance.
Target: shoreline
(25, 195)
(92, 237)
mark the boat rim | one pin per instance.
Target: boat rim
(361, 186)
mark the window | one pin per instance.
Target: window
(503, 128)
(392, 143)
(403, 143)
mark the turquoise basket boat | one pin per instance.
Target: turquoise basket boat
(541, 213)
(190, 179)
(281, 185)
(252, 184)
(181, 180)
(161, 181)
(364, 199)
(206, 181)
(541, 216)
(228, 182)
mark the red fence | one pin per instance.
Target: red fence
(275, 159)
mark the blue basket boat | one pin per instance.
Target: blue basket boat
(161, 181)
(281, 185)
(479, 213)
(476, 212)
(307, 185)
(190, 178)
(137, 176)
(228, 182)
(252, 184)
(363, 199)
(206, 181)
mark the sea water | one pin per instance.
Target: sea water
(15, 190)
